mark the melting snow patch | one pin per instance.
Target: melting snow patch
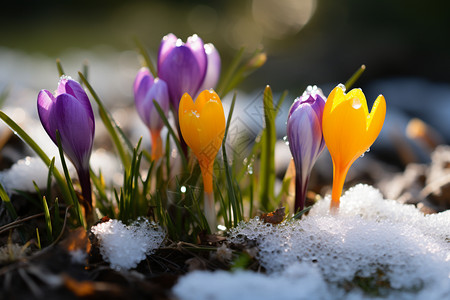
(394, 248)
(22, 174)
(125, 246)
(299, 281)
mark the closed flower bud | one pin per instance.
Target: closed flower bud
(304, 132)
(146, 90)
(69, 112)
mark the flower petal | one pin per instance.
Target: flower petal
(195, 43)
(141, 75)
(304, 132)
(45, 104)
(344, 130)
(75, 89)
(213, 68)
(211, 127)
(76, 128)
(143, 85)
(168, 42)
(160, 93)
(189, 118)
(375, 119)
(182, 72)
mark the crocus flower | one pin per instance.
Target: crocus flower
(202, 125)
(69, 111)
(349, 130)
(187, 67)
(147, 89)
(304, 132)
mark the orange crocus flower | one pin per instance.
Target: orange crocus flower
(202, 125)
(349, 130)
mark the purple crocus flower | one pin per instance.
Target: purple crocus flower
(304, 132)
(187, 67)
(69, 111)
(147, 89)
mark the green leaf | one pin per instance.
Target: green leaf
(267, 171)
(172, 133)
(69, 181)
(59, 67)
(236, 205)
(351, 81)
(144, 53)
(302, 212)
(48, 221)
(5, 198)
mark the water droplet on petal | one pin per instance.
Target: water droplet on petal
(356, 103)
(286, 140)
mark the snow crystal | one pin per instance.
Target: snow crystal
(22, 174)
(370, 239)
(125, 246)
(299, 281)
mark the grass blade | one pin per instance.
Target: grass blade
(235, 204)
(5, 198)
(172, 133)
(351, 81)
(268, 152)
(144, 53)
(69, 181)
(59, 67)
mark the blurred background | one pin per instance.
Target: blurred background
(403, 44)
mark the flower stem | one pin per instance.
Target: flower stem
(339, 175)
(157, 150)
(301, 185)
(210, 210)
(86, 190)
(206, 167)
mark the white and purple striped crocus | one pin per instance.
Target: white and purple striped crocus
(146, 89)
(189, 67)
(304, 132)
(70, 112)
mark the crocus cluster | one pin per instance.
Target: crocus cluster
(69, 112)
(304, 132)
(182, 68)
(342, 122)
(349, 130)
(202, 125)
(146, 90)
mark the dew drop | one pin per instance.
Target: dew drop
(356, 104)
(183, 189)
(286, 140)
(342, 87)
(250, 169)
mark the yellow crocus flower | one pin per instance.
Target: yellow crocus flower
(349, 130)
(202, 125)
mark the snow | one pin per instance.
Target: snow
(298, 282)
(370, 238)
(22, 174)
(125, 246)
